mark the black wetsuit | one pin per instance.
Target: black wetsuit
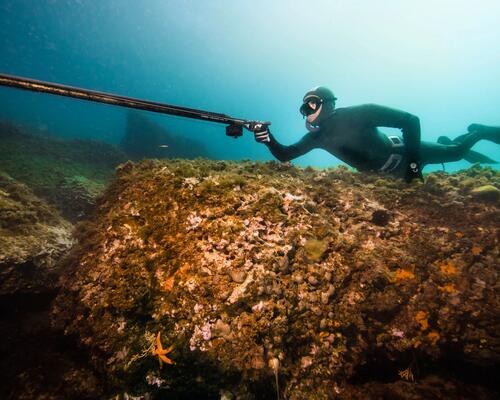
(351, 135)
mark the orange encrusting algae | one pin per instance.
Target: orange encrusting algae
(168, 285)
(402, 274)
(448, 268)
(476, 250)
(449, 288)
(433, 337)
(421, 318)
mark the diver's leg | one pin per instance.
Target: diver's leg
(436, 153)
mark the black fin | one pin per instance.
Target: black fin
(475, 157)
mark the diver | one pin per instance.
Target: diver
(351, 135)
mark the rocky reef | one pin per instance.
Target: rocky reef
(218, 280)
(33, 358)
(68, 173)
(32, 239)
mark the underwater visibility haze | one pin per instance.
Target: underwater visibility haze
(151, 256)
(254, 60)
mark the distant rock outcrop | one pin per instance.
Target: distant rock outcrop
(263, 278)
(145, 139)
(68, 173)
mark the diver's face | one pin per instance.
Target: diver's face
(316, 110)
(311, 108)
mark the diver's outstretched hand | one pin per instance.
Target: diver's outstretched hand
(260, 131)
(413, 171)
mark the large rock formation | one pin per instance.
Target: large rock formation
(266, 278)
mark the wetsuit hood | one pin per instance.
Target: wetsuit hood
(320, 92)
(325, 97)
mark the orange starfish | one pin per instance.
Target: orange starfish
(161, 352)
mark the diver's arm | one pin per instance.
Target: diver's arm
(376, 115)
(287, 153)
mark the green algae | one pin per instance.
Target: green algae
(486, 192)
(315, 249)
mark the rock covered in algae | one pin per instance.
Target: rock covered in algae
(36, 361)
(76, 196)
(346, 280)
(33, 237)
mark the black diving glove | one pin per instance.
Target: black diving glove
(260, 131)
(413, 171)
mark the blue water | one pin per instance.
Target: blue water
(254, 59)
